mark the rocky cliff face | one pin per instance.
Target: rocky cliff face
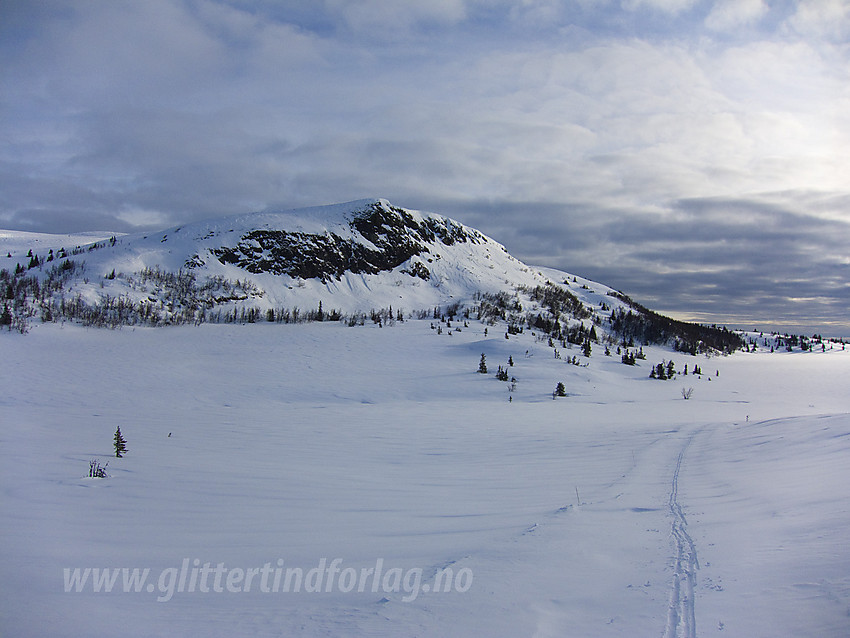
(383, 237)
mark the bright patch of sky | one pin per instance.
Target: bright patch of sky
(689, 152)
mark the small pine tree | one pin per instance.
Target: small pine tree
(120, 443)
(560, 390)
(482, 365)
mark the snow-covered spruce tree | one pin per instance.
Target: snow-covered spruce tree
(482, 365)
(560, 389)
(120, 443)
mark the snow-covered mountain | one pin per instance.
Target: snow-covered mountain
(355, 256)
(346, 260)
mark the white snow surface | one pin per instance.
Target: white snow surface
(619, 510)
(14, 244)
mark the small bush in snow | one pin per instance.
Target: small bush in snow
(96, 470)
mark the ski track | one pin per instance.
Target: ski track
(681, 615)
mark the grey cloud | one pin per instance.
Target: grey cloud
(69, 220)
(764, 260)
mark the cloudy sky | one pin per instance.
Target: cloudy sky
(693, 153)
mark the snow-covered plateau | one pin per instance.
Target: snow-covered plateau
(621, 509)
(360, 474)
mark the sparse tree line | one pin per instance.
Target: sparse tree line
(667, 370)
(493, 307)
(646, 326)
(34, 260)
(558, 300)
(565, 319)
(559, 307)
(169, 299)
(24, 295)
(788, 342)
(153, 297)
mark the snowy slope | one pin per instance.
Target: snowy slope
(15, 244)
(619, 510)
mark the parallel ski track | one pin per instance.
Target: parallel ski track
(681, 616)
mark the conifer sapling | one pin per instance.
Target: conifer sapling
(120, 443)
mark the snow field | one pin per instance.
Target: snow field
(303, 442)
